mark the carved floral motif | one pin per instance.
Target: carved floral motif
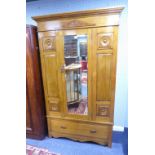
(49, 43)
(77, 23)
(103, 110)
(105, 40)
(53, 107)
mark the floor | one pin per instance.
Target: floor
(69, 147)
(121, 138)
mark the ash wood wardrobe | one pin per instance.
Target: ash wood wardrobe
(78, 55)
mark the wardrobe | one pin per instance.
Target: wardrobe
(78, 53)
(36, 126)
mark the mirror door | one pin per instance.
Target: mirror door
(76, 68)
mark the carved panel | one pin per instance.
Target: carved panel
(51, 75)
(49, 43)
(53, 105)
(103, 110)
(105, 40)
(76, 23)
(103, 80)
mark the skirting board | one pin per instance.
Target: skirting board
(118, 128)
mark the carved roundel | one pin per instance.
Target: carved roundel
(105, 40)
(49, 43)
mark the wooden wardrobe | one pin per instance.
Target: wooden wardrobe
(78, 53)
(35, 106)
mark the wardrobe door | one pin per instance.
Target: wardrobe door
(104, 73)
(51, 71)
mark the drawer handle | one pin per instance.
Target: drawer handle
(92, 131)
(62, 127)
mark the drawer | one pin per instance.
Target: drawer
(80, 129)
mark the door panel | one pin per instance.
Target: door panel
(30, 91)
(103, 81)
(104, 72)
(51, 75)
(50, 60)
(28, 115)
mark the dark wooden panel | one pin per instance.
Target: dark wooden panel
(35, 109)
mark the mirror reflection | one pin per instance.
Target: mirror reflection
(76, 71)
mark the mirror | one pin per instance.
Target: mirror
(76, 71)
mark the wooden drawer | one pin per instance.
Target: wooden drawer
(80, 129)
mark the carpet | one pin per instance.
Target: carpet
(70, 147)
(84, 79)
(32, 150)
(81, 109)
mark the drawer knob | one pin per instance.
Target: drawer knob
(92, 131)
(62, 127)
